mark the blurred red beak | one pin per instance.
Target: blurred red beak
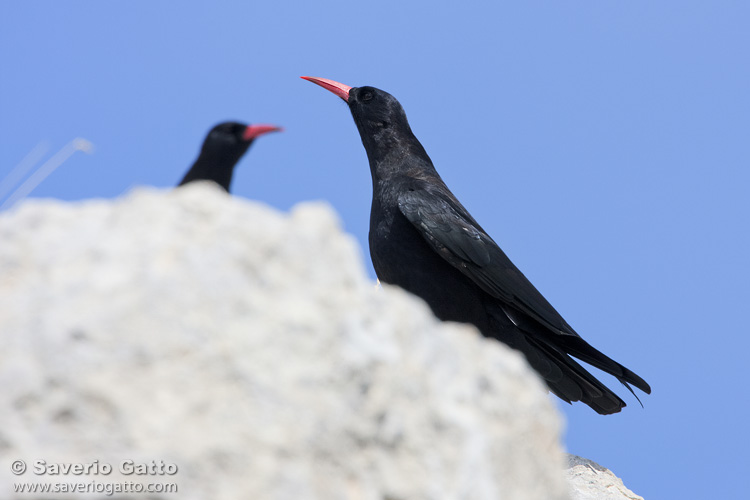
(337, 88)
(253, 131)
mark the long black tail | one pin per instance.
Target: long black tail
(549, 353)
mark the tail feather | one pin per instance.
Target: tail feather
(576, 346)
(627, 386)
(549, 353)
(592, 392)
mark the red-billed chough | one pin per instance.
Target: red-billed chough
(423, 240)
(222, 149)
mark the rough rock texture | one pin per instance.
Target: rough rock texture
(248, 348)
(591, 481)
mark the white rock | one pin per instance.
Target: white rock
(591, 481)
(248, 348)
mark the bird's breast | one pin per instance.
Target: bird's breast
(402, 257)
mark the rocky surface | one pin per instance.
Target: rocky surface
(247, 348)
(591, 481)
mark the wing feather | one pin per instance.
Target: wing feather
(458, 238)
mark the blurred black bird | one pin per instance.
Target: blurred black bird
(423, 240)
(222, 149)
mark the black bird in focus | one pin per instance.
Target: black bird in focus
(222, 149)
(423, 240)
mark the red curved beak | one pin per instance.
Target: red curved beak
(253, 131)
(337, 88)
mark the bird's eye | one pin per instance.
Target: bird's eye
(367, 96)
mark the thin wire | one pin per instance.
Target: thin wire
(77, 144)
(20, 170)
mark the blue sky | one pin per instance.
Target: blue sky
(604, 145)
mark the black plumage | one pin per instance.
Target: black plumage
(222, 149)
(423, 240)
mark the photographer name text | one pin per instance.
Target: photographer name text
(125, 467)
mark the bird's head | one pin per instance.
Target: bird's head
(379, 117)
(228, 141)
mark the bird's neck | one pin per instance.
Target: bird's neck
(209, 167)
(391, 164)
